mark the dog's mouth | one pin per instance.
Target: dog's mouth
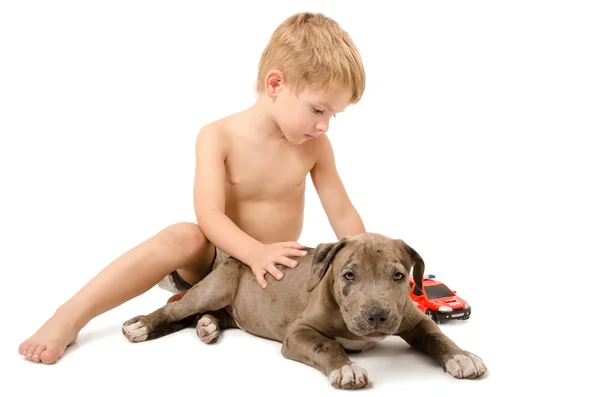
(370, 332)
(376, 334)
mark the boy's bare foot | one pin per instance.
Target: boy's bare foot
(176, 297)
(48, 344)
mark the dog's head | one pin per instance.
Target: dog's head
(368, 275)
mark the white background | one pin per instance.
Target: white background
(476, 142)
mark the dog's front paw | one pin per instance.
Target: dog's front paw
(465, 365)
(207, 329)
(349, 377)
(137, 329)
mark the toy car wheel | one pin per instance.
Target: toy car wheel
(432, 316)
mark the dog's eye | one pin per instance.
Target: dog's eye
(349, 276)
(398, 276)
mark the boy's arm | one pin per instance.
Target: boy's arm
(209, 197)
(343, 217)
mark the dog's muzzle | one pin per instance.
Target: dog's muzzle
(374, 322)
(377, 322)
(376, 316)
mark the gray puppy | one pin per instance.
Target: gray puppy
(342, 297)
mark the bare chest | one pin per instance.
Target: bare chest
(266, 174)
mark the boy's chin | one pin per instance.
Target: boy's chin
(295, 139)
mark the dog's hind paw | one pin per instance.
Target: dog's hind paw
(136, 329)
(349, 377)
(465, 365)
(208, 329)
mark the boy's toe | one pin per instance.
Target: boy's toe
(49, 356)
(23, 347)
(30, 350)
(37, 352)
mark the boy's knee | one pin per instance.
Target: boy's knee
(185, 236)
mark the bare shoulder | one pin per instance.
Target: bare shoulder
(323, 145)
(214, 137)
(323, 150)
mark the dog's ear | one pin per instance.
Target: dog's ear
(321, 261)
(418, 268)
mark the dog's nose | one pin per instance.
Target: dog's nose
(376, 315)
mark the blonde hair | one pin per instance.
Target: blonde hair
(313, 52)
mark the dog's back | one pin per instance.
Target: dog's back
(268, 312)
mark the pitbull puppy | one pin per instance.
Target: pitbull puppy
(342, 297)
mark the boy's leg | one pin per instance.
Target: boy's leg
(180, 247)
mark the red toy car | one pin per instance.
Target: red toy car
(438, 301)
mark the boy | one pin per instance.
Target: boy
(249, 182)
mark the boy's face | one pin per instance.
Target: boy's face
(304, 116)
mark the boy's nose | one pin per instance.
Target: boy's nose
(321, 128)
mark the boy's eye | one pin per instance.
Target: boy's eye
(318, 111)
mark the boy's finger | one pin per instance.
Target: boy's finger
(285, 261)
(275, 272)
(295, 252)
(260, 277)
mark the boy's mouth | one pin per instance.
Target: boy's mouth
(308, 136)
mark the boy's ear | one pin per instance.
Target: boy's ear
(274, 83)
(322, 260)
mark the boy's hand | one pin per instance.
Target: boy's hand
(268, 255)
